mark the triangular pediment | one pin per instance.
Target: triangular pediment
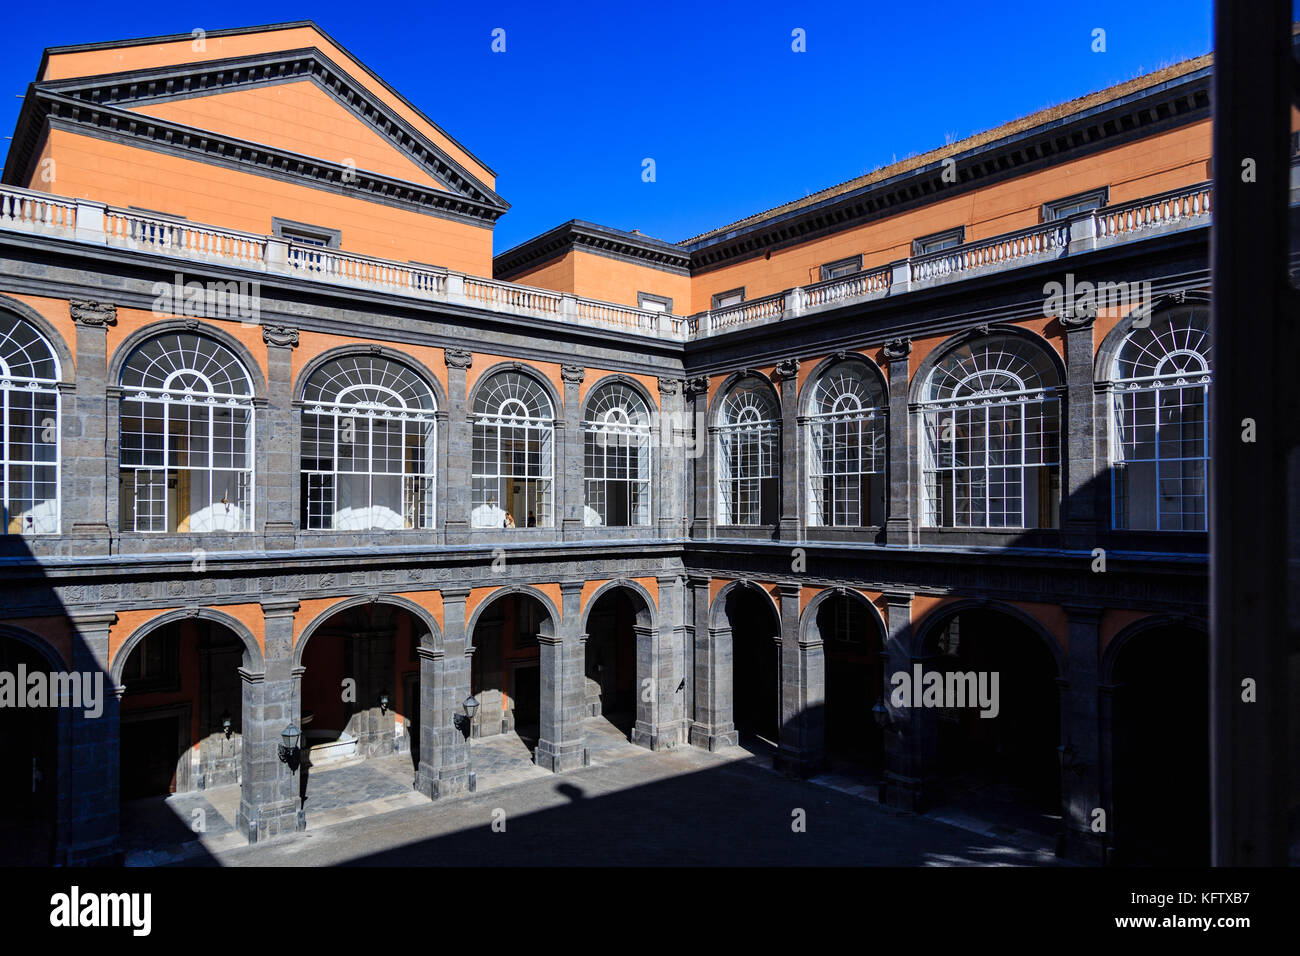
(298, 116)
(292, 112)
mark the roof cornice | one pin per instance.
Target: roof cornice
(597, 240)
(1151, 110)
(140, 130)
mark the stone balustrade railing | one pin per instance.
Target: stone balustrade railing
(30, 211)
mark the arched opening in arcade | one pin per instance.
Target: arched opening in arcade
(614, 679)
(29, 767)
(1160, 732)
(852, 642)
(361, 684)
(1006, 762)
(505, 674)
(756, 666)
(181, 728)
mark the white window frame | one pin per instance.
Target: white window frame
(756, 424)
(953, 437)
(617, 432)
(22, 363)
(1176, 361)
(402, 397)
(845, 421)
(507, 419)
(164, 400)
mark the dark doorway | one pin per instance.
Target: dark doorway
(151, 749)
(756, 664)
(29, 773)
(851, 646)
(1012, 757)
(611, 659)
(505, 675)
(1160, 749)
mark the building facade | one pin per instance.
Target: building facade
(278, 422)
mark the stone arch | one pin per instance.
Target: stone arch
(553, 616)
(1152, 622)
(252, 662)
(256, 373)
(384, 352)
(647, 614)
(923, 631)
(718, 609)
(941, 350)
(728, 383)
(1110, 346)
(431, 638)
(808, 618)
(523, 368)
(621, 379)
(40, 645)
(62, 352)
(843, 358)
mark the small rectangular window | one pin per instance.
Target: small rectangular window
(653, 303)
(939, 240)
(842, 267)
(731, 297)
(306, 234)
(1080, 202)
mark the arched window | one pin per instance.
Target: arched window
(29, 427)
(749, 456)
(369, 443)
(514, 432)
(186, 451)
(990, 437)
(846, 448)
(616, 436)
(1160, 439)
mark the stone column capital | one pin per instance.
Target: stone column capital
(92, 314)
(458, 358)
(283, 336)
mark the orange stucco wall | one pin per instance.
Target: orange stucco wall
(300, 117)
(90, 168)
(1151, 165)
(609, 280)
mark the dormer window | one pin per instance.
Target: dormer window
(1071, 205)
(731, 297)
(842, 267)
(653, 303)
(306, 234)
(938, 241)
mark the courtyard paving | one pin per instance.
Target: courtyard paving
(629, 807)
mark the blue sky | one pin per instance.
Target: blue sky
(734, 119)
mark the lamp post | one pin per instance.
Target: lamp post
(465, 724)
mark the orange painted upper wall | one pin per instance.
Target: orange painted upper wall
(609, 280)
(1144, 167)
(119, 59)
(86, 167)
(297, 116)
